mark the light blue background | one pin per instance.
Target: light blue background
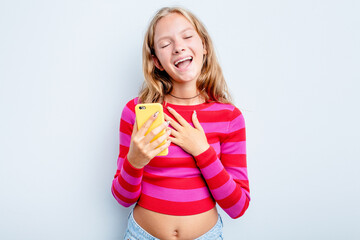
(67, 68)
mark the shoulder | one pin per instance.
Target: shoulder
(233, 116)
(130, 104)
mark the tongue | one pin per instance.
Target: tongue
(184, 64)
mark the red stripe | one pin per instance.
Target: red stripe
(204, 116)
(131, 105)
(117, 173)
(131, 170)
(126, 127)
(206, 158)
(236, 136)
(208, 116)
(176, 208)
(244, 184)
(187, 162)
(218, 180)
(213, 137)
(127, 200)
(230, 200)
(127, 186)
(233, 160)
(236, 112)
(123, 151)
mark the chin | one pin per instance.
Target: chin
(186, 78)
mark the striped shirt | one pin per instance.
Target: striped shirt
(179, 183)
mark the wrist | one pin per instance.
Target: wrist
(133, 163)
(206, 157)
(201, 150)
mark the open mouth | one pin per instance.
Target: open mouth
(183, 63)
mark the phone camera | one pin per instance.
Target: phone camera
(142, 107)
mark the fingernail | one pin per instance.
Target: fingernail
(169, 108)
(168, 131)
(156, 113)
(195, 113)
(168, 122)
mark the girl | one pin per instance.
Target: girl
(206, 164)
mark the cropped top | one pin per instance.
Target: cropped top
(182, 184)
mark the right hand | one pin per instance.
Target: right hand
(141, 150)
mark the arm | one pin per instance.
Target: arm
(126, 185)
(136, 151)
(227, 176)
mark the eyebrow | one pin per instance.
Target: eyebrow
(186, 29)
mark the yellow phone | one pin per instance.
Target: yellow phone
(143, 112)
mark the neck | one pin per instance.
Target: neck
(193, 98)
(185, 98)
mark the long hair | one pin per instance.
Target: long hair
(211, 83)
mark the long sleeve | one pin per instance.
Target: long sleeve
(126, 185)
(227, 176)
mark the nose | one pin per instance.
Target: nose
(178, 47)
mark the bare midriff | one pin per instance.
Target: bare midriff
(172, 227)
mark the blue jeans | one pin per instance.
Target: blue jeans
(135, 232)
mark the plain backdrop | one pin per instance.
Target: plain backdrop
(67, 69)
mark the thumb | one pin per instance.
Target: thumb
(196, 122)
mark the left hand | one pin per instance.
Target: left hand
(190, 139)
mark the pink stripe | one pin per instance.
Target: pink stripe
(212, 170)
(130, 179)
(124, 192)
(233, 147)
(218, 107)
(125, 139)
(175, 195)
(239, 173)
(120, 162)
(176, 152)
(216, 147)
(128, 115)
(237, 123)
(218, 127)
(224, 190)
(119, 200)
(237, 207)
(173, 172)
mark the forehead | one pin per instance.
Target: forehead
(170, 25)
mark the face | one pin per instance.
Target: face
(176, 39)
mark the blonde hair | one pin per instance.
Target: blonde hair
(157, 84)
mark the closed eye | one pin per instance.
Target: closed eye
(165, 46)
(188, 37)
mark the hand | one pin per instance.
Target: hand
(141, 149)
(190, 139)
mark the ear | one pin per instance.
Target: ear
(157, 63)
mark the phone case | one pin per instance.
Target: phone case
(143, 112)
